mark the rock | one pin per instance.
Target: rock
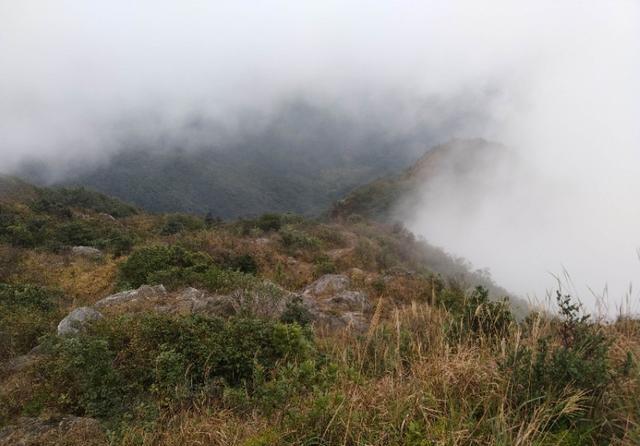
(350, 300)
(76, 321)
(218, 306)
(86, 251)
(37, 431)
(332, 303)
(355, 320)
(144, 293)
(184, 302)
(194, 301)
(329, 283)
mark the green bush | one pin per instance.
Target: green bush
(296, 312)
(293, 239)
(269, 222)
(120, 243)
(575, 356)
(244, 263)
(474, 314)
(27, 312)
(324, 265)
(131, 360)
(210, 277)
(144, 263)
(76, 233)
(176, 223)
(174, 267)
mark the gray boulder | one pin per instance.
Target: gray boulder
(157, 299)
(350, 301)
(329, 283)
(76, 321)
(332, 303)
(144, 293)
(86, 251)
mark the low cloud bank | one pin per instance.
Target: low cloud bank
(555, 81)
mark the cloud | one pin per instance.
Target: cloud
(557, 81)
(570, 117)
(80, 77)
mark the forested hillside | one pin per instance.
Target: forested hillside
(300, 160)
(468, 162)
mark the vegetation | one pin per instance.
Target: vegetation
(263, 172)
(441, 361)
(55, 218)
(174, 266)
(155, 362)
(27, 312)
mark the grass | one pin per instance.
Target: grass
(403, 382)
(441, 363)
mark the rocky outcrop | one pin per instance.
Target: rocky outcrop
(39, 431)
(76, 321)
(145, 293)
(86, 252)
(331, 302)
(329, 283)
(156, 299)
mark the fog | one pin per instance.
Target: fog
(557, 82)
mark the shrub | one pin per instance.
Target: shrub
(575, 356)
(331, 236)
(26, 313)
(20, 235)
(474, 314)
(180, 222)
(121, 243)
(10, 258)
(324, 265)
(293, 240)
(244, 263)
(144, 263)
(76, 233)
(174, 266)
(296, 312)
(269, 222)
(130, 359)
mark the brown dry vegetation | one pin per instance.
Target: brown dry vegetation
(426, 391)
(438, 365)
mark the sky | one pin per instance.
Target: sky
(554, 81)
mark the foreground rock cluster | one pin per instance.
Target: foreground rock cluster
(329, 300)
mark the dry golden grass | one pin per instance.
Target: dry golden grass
(401, 382)
(392, 389)
(202, 426)
(84, 281)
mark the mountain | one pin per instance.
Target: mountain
(467, 162)
(13, 189)
(300, 160)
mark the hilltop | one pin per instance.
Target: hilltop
(467, 161)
